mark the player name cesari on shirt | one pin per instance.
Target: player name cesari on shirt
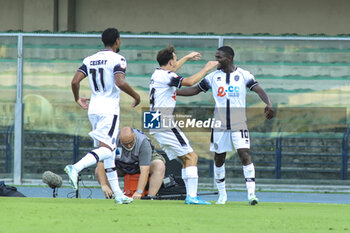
(98, 62)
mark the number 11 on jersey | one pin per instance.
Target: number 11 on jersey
(97, 77)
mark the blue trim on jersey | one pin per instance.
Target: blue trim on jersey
(179, 137)
(111, 130)
(204, 85)
(83, 69)
(118, 69)
(228, 114)
(252, 83)
(228, 78)
(151, 98)
(175, 81)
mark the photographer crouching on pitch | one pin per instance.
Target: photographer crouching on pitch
(136, 155)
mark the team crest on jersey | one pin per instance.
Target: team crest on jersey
(218, 79)
(236, 78)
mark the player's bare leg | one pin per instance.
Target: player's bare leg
(219, 175)
(249, 174)
(190, 177)
(157, 170)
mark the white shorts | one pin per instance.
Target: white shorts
(104, 129)
(174, 143)
(222, 140)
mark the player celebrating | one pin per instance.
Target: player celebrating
(106, 72)
(163, 96)
(228, 86)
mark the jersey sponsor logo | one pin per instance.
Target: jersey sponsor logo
(231, 91)
(221, 92)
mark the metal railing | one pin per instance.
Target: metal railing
(74, 147)
(311, 162)
(6, 148)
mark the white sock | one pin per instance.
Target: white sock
(192, 178)
(112, 175)
(184, 178)
(113, 182)
(249, 175)
(92, 158)
(219, 175)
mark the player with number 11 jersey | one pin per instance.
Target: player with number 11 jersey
(101, 68)
(106, 72)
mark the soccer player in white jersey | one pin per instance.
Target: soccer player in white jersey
(106, 72)
(173, 142)
(228, 85)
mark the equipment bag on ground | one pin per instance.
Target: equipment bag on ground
(9, 191)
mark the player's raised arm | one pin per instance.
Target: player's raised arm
(269, 112)
(78, 77)
(190, 56)
(190, 81)
(124, 86)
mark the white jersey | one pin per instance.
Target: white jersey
(229, 92)
(101, 68)
(163, 90)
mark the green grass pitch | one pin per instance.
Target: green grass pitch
(37, 215)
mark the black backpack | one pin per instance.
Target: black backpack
(9, 191)
(173, 187)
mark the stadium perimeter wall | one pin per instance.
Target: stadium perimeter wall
(303, 17)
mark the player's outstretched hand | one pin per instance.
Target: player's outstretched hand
(194, 56)
(210, 65)
(83, 102)
(269, 112)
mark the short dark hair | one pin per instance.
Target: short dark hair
(109, 36)
(227, 50)
(165, 55)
